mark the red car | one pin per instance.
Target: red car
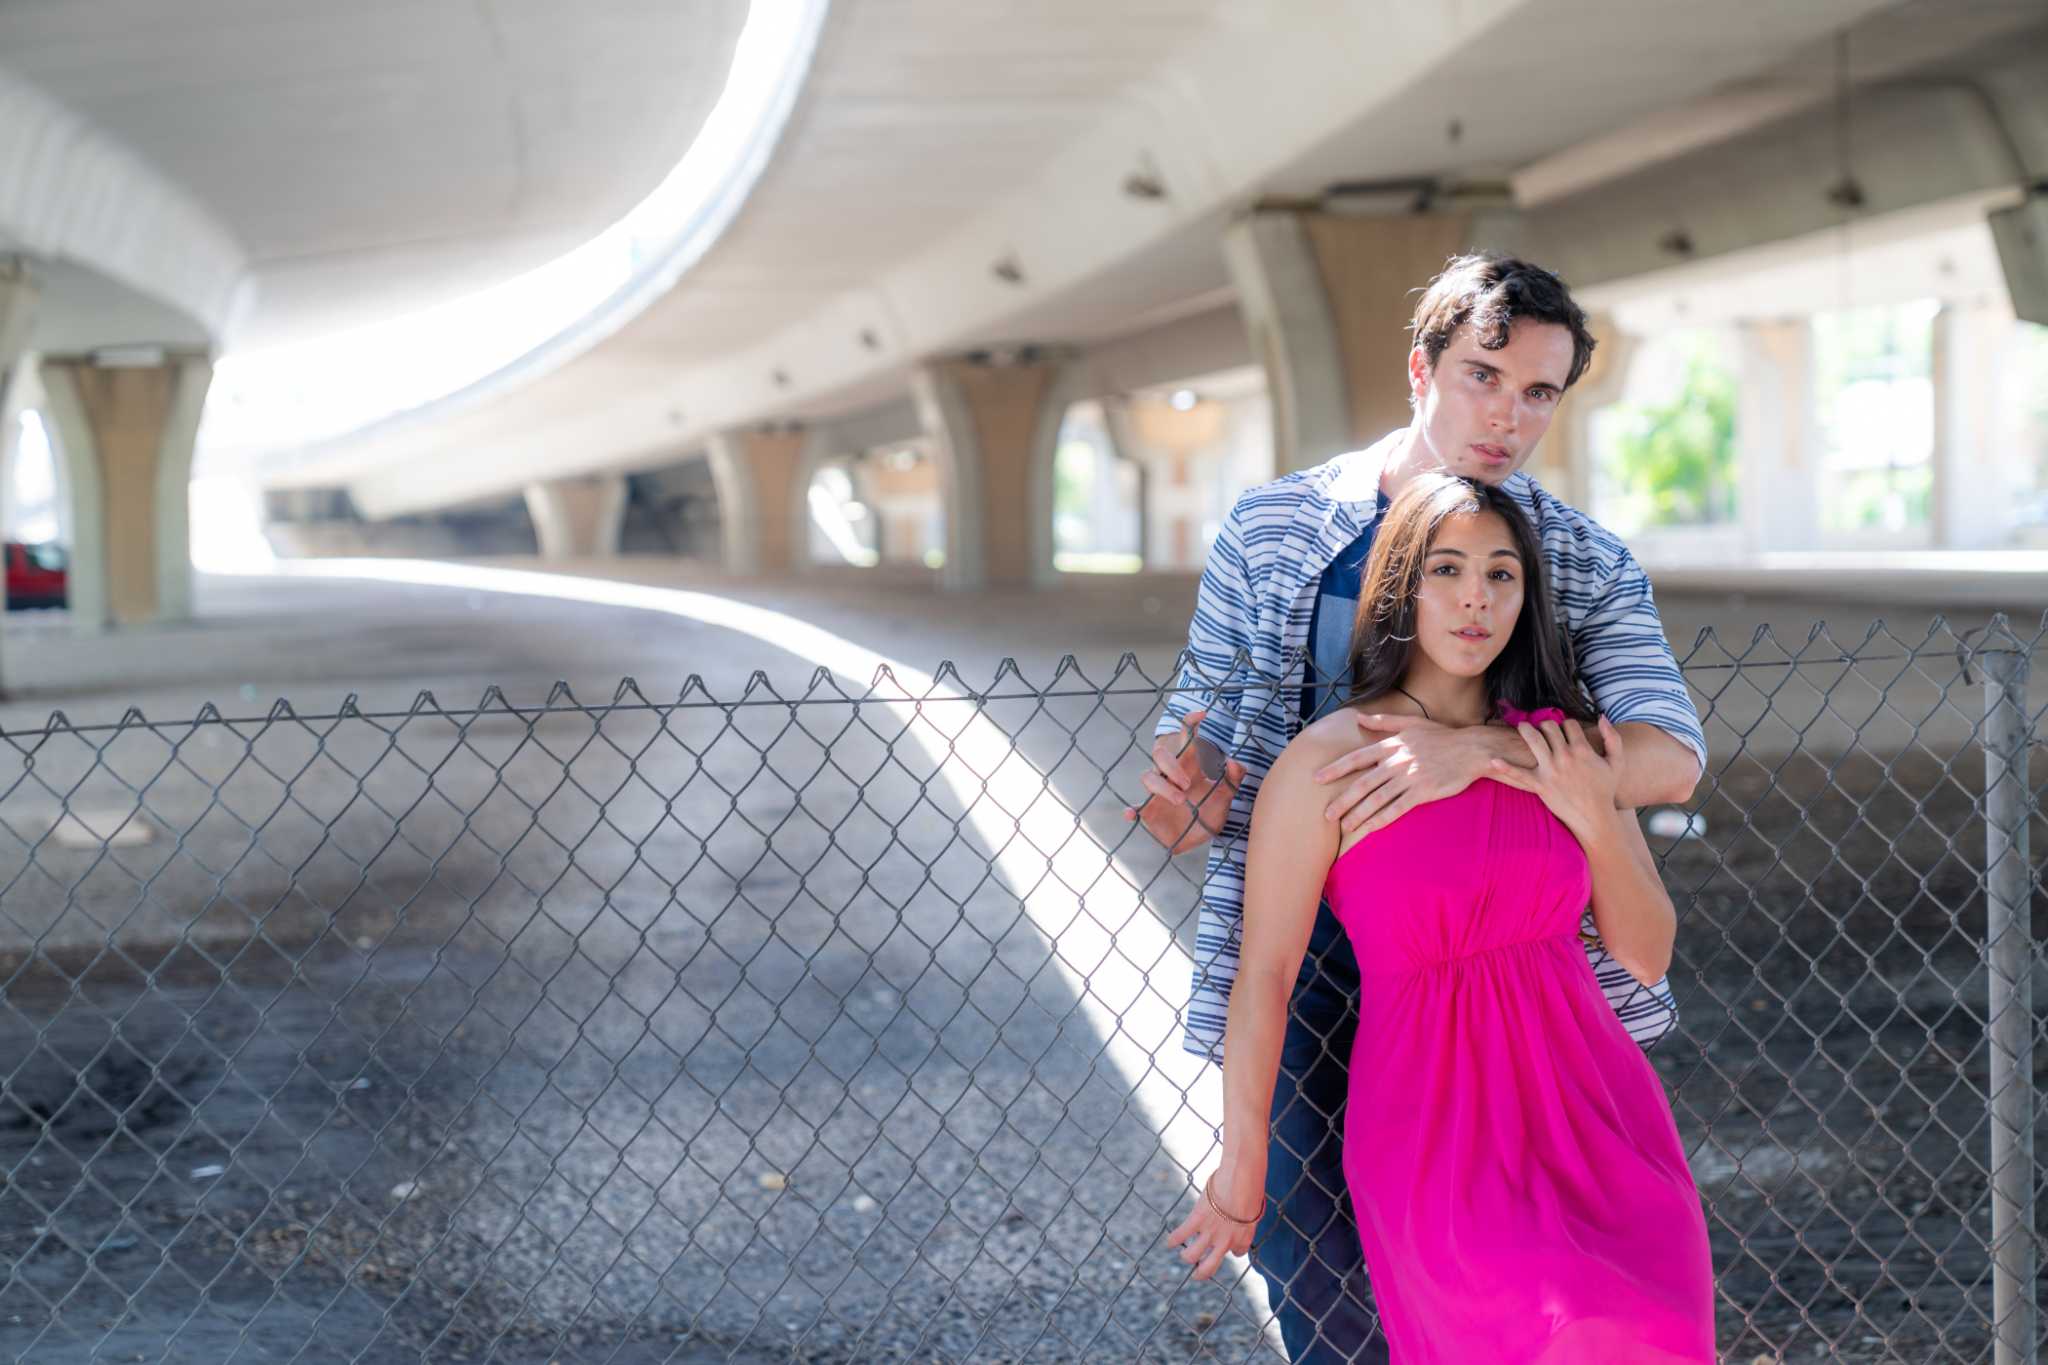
(35, 575)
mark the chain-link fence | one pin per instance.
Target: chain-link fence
(840, 1023)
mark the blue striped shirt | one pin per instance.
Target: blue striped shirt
(1248, 646)
(1333, 621)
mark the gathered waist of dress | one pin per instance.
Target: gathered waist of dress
(1523, 946)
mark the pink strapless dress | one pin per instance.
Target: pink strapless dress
(1521, 1192)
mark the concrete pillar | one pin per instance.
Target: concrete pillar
(1116, 420)
(1777, 444)
(809, 547)
(1327, 300)
(18, 296)
(1976, 477)
(995, 428)
(18, 392)
(1179, 449)
(126, 434)
(17, 320)
(763, 508)
(904, 498)
(17, 365)
(578, 518)
(1564, 463)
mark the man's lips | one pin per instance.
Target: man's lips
(1493, 454)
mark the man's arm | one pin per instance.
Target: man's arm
(1657, 767)
(1626, 662)
(1187, 800)
(1653, 761)
(1225, 608)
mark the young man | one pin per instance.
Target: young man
(1497, 342)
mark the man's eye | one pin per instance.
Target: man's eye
(1541, 395)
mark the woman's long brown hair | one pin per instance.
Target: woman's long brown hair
(1534, 670)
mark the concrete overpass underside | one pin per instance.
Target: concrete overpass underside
(954, 253)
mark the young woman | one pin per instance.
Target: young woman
(1519, 1185)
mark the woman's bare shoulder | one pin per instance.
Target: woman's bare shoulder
(1337, 733)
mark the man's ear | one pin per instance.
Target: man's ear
(1419, 372)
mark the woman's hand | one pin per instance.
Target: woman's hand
(1207, 1233)
(1571, 776)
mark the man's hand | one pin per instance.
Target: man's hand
(1418, 760)
(1189, 802)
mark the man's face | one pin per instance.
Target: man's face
(1482, 412)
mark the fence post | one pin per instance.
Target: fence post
(2008, 873)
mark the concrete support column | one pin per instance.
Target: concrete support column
(905, 502)
(1975, 475)
(1116, 420)
(1565, 461)
(1327, 300)
(762, 482)
(17, 322)
(1778, 446)
(18, 390)
(578, 518)
(1176, 448)
(126, 435)
(995, 427)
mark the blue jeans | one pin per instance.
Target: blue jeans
(1307, 1246)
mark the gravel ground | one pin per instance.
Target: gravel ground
(671, 1040)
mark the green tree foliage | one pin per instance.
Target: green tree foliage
(1677, 459)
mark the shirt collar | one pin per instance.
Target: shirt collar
(1355, 476)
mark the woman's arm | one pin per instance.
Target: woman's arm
(1630, 906)
(1287, 859)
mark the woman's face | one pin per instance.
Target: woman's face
(1470, 595)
